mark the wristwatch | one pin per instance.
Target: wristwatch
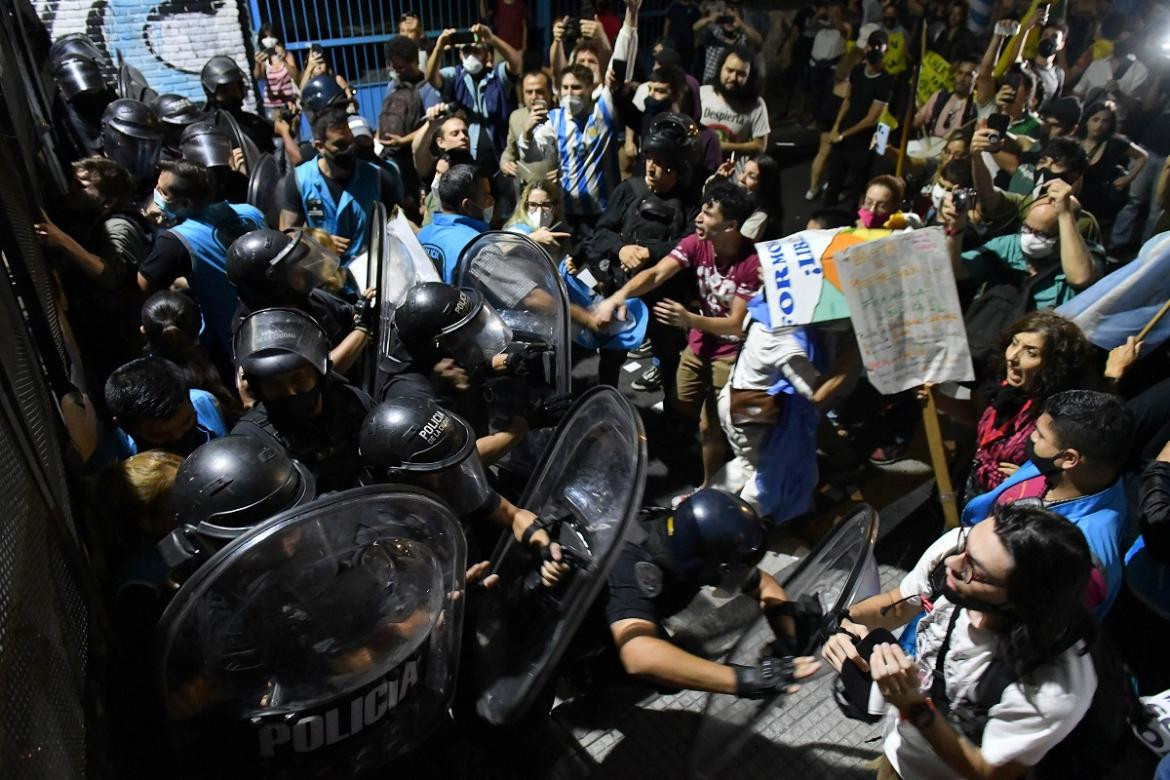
(920, 715)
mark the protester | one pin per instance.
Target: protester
(732, 106)
(869, 91)
(465, 199)
(536, 88)
(277, 68)
(1114, 162)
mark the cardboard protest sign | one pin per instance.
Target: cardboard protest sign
(936, 75)
(902, 300)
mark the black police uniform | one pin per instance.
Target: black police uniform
(326, 444)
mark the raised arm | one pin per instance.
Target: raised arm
(432, 74)
(511, 56)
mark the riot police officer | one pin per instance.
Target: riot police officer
(225, 86)
(302, 405)
(176, 113)
(132, 136)
(83, 94)
(436, 323)
(416, 441)
(270, 268)
(206, 143)
(712, 538)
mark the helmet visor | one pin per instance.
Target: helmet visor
(211, 150)
(137, 155)
(76, 76)
(305, 265)
(480, 340)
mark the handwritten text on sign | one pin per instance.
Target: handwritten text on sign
(905, 310)
(793, 275)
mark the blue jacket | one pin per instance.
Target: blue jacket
(1101, 517)
(348, 218)
(444, 239)
(207, 414)
(207, 236)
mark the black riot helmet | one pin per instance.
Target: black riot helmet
(275, 341)
(270, 268)
(322, 92)
(219, 71)
(204, 142)
(670, 139)
(712, 537)
(77, 75)
(414, 440)
(459, 319)
(132, 136)
(176, 110)
(234, 482)
(76, 44)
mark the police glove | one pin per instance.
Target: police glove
(770, 676)
(546, 412)
(519, 354)
(365, 315)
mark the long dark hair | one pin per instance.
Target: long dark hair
(1097, 108)
(768, 196)
(171, 322)
(745, 97)
(1068, 355)
(1046, 588)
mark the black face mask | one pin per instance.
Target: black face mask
(972, 603)
(190, 441)
(232, 105)
(294, 409)
(344, 161)
(890, 23)
(874, 57)
(1046, 48)
(1045, 466)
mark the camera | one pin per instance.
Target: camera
(316, 49)
(572, 34)
(963, 198)
(725, 18)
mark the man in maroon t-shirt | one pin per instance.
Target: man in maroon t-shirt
(727, 271)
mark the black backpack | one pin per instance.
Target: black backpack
(994, 310)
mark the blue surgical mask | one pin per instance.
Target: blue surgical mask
(164, 205)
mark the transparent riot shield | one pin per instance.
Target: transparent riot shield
(522, 283)
(240, 140)
(587, 490)
(264, 187)
(132, 84)
(322, 643)
(840, 571)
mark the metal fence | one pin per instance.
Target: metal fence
(353, 34)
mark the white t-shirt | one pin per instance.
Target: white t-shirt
(1100, 72)
(1022, 727)
(729, 124)
(766, 354)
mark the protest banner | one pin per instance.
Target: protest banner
(800, 275)
(901, 296)
(936, 74)
(905, 311)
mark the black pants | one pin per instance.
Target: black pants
(609, 366)
(848, 162)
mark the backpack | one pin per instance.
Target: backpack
(994, 311)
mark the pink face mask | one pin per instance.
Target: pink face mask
(869, 219)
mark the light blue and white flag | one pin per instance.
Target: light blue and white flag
(1122, 303)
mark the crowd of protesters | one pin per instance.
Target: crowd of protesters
(1037, 137)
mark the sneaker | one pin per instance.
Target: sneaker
(890, 453)
(811, 194)
(641, 353)
(650, 380)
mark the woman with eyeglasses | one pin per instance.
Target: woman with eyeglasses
(540, 215)
(1000, 674)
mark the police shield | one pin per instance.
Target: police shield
(402, 265)
(132, 84)
(263, 187)
(839, 572)
(521, 282)
(323, 642)
(587, 492)
(239, 140)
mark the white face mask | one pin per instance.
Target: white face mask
(268, 43)
(487, 214)
(472, 64)
(1037, 247)
(435, 184)
(573, 104)
(540, 217)
(937, 196)
(394, 75)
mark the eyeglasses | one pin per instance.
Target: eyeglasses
(542, 206)
(972, 570)
(1026, 228)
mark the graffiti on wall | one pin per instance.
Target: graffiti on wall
(168, 41)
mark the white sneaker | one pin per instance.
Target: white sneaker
(811, 194)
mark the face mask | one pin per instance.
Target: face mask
(487, 214)
(268, 43)
(874, 57)
(294, 408)
(344, 160)
(1036, 247)
(976, 604)
(472, 65)
(890, 23)
(190, 441)
(1046, 466)
(539, 217)
(937, 196)
(574, 104)
(395, 75)
(163, 205)
(869, 219)
(1046, 48)
(655, 107)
